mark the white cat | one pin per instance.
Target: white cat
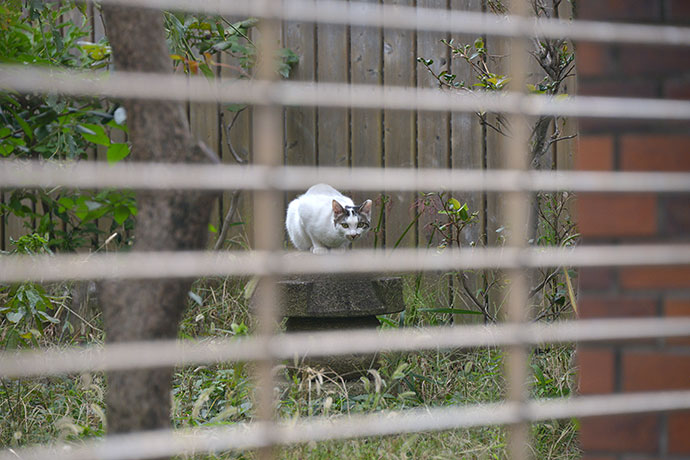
(324, 219)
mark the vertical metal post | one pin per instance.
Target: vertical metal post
(268, 224)
(517, 216)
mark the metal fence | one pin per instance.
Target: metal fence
(269, 178)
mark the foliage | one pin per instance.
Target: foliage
(59, 128)
(25, 307)
(551, 224)
(208, 44)
(70, 408)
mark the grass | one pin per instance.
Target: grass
(71, 407)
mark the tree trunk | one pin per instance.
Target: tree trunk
(166, 221)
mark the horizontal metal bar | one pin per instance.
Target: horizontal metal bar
(441, 20)
(190, 264)
(294, 93)
(165, 443)
(138, 355)
(157, 176)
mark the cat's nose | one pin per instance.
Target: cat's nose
(352, 237)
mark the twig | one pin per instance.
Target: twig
(468, 292)
(234, 200)
(541, 285)
(238, 158)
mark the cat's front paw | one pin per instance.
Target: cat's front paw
(319, 250)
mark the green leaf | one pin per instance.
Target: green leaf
(464, 215)
(212, 228)
(94, 133)
(47, 317)
(453, 204)
(117, 152)
(24, 125)
(66, 202)
(206, 70)
(6, 148)
(15, 316)
(33, 298)
(235, 107)
(121, 214)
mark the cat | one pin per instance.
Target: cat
(323, 219)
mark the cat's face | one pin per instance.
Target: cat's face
(352, 221)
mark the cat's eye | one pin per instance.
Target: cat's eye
(345, 226)
(361, 225)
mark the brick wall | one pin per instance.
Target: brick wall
(607, 145)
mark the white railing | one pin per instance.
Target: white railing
(266, 176)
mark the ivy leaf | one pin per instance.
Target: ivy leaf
(117, 152)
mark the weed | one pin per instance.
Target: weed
(70, 408)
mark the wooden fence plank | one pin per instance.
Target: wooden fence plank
(300, 122)
(204, 122)
(333, 137)
(235, 131)
(433, 151)
(367, 129)
(433, 128)
(467, 152)
(399, 69)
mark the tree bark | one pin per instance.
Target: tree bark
(166, 221)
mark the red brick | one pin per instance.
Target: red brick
(668, 152)
(627, 10)
(594, 153)
(592, 59)
(679, 432)
(620, 433)
(616, 307)
(596, 368)
(678, 11)
(598, 457)
(618, 88)
(637, 457)
(677, 88)
(596, 278)
(657, 370)
(676, 215)
(677, 308)
(602, 215)
(653, 60)
(655, 277)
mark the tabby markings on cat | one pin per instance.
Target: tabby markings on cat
(323, 219)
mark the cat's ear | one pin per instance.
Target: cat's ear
(338, 210)
(365, 208)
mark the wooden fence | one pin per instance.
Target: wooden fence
(359, 137)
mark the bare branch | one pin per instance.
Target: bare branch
(227, 222)
(238, 158)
